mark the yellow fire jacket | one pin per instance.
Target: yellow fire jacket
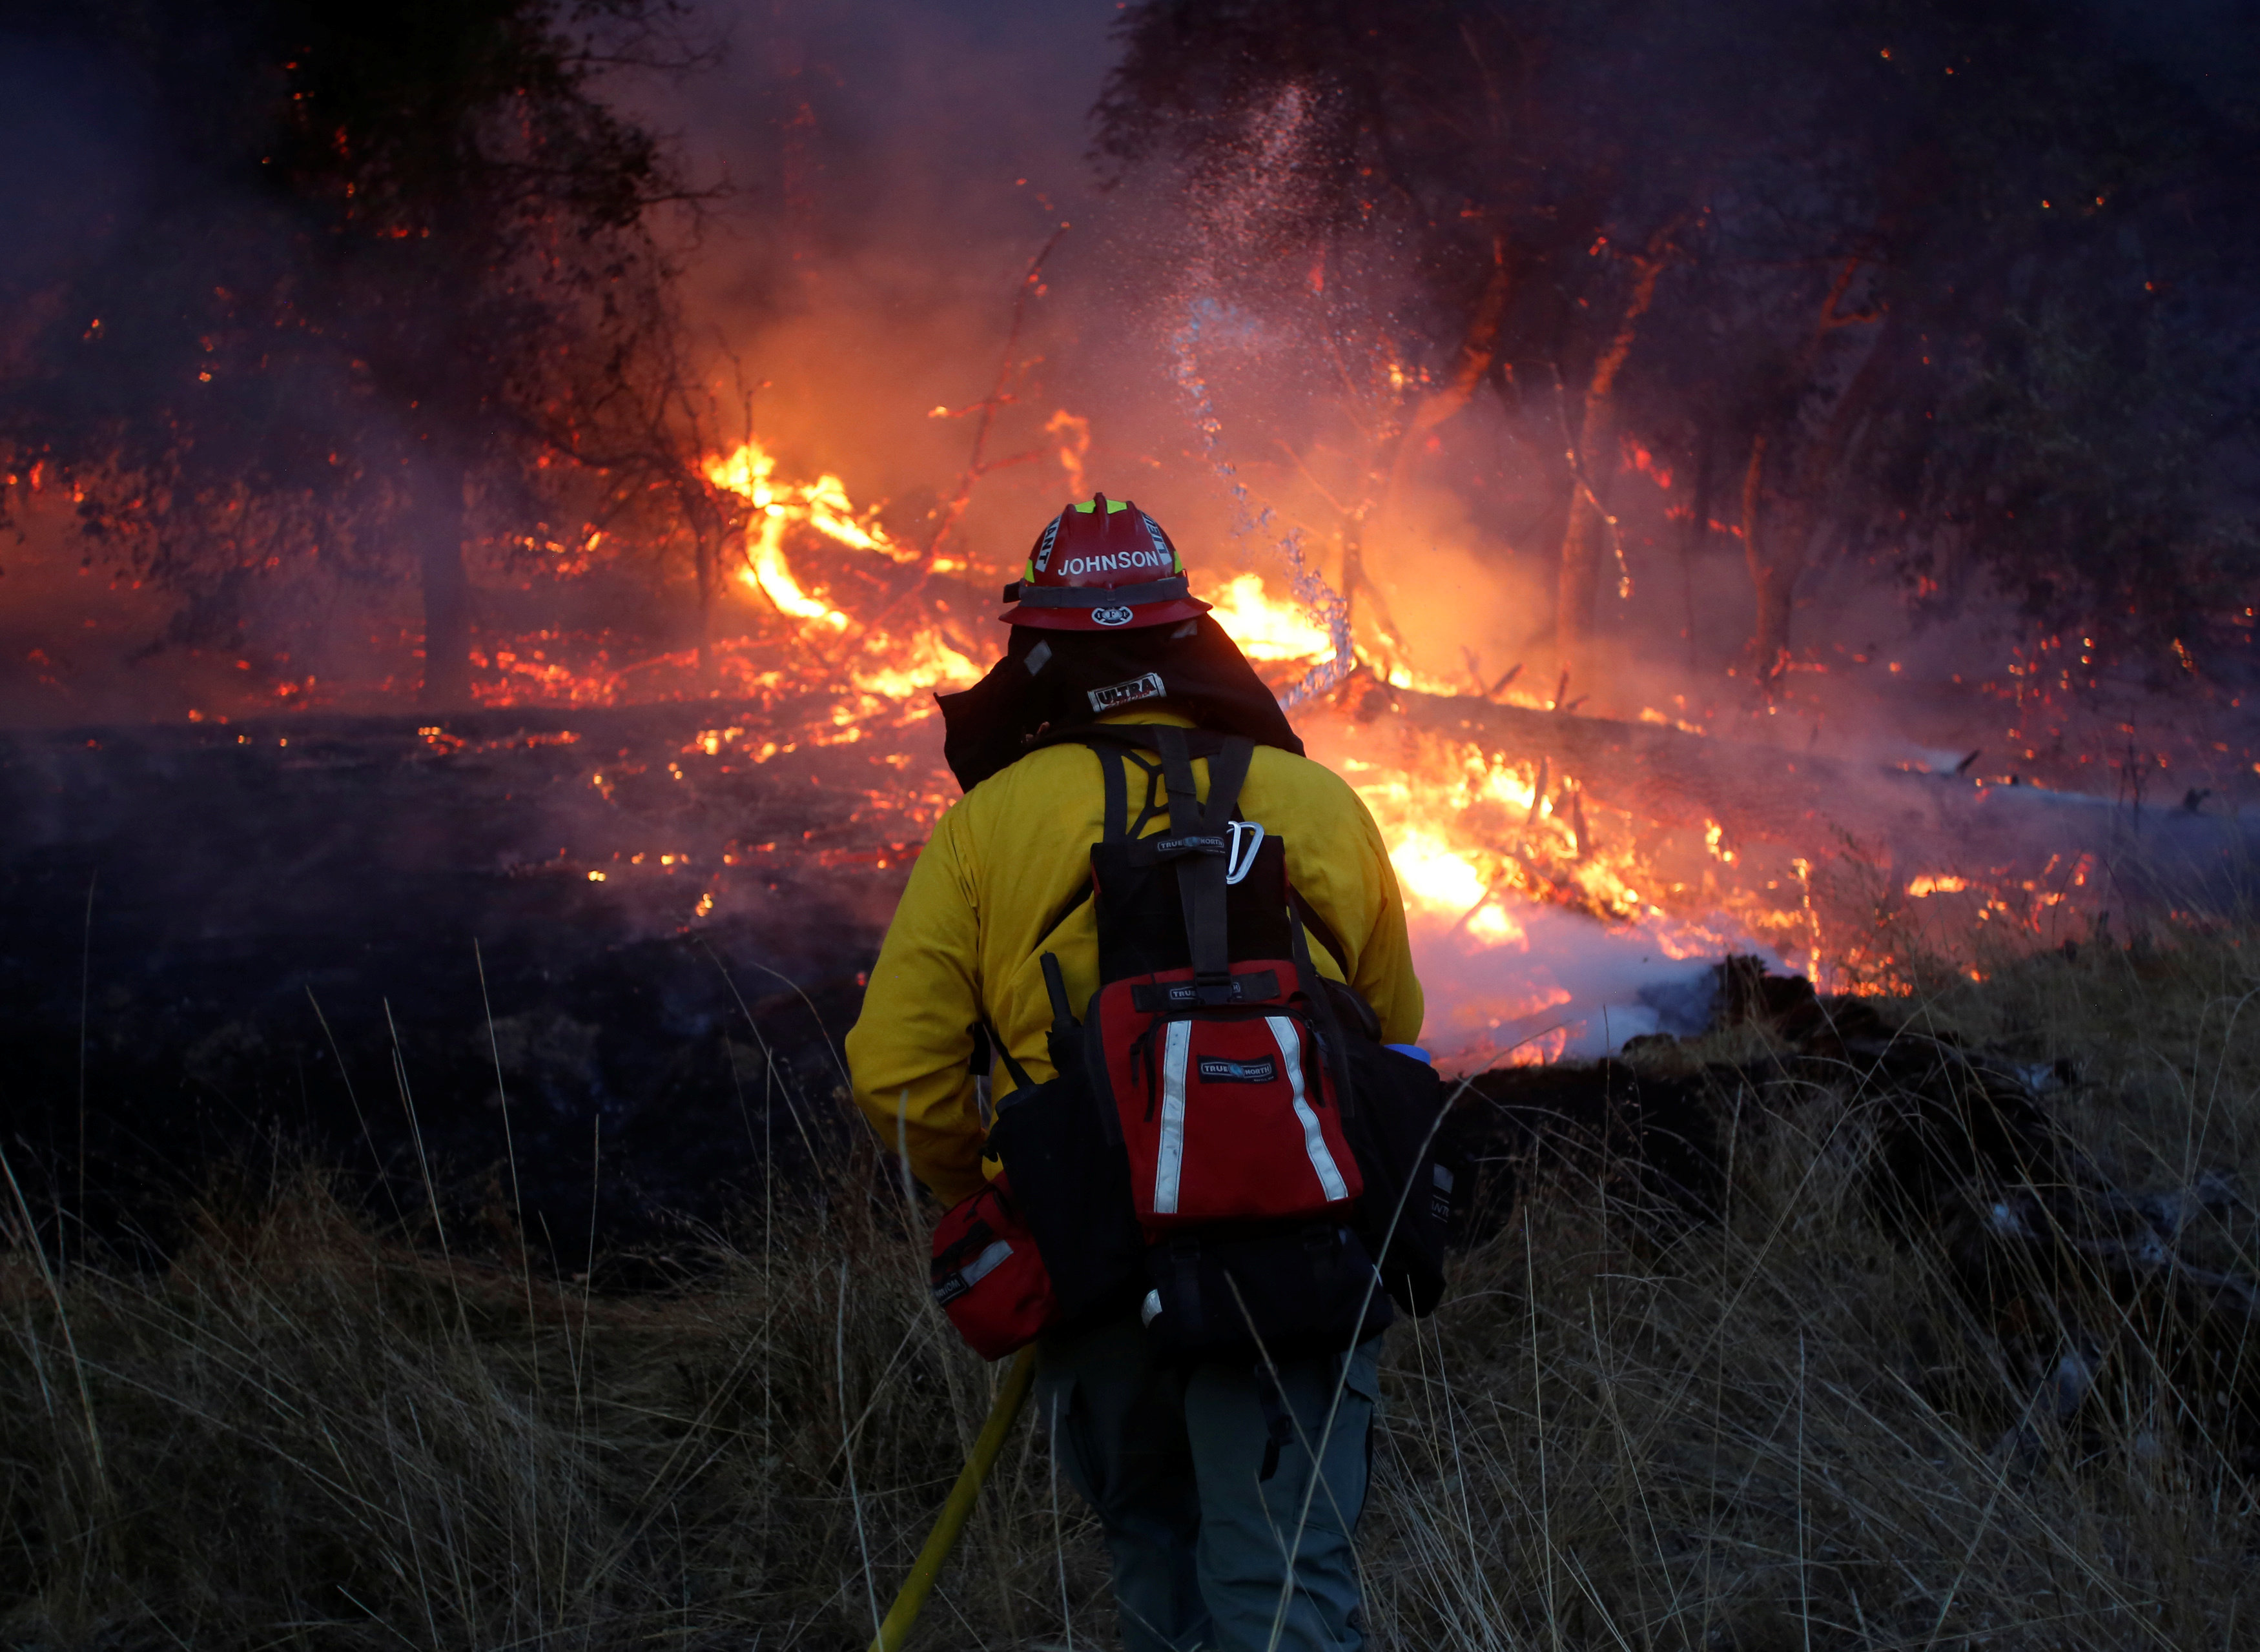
(1001, 866)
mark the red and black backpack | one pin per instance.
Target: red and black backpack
(1227, 1145)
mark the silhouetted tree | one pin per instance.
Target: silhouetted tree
(398, 269)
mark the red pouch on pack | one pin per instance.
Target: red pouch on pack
(1228, 1112)
(987, 1276)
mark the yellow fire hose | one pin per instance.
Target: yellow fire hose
(895, 1632)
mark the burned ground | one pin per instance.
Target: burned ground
(350, 934)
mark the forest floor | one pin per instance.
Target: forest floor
(1954, 1348)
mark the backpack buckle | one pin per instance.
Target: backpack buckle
(1211, 990)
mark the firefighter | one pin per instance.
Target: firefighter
(1204, 1542)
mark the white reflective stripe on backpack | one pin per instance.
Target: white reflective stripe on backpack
(1169, 1160)
(1314, 1141)
(984, 1264)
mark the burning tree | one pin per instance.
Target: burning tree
(398, 290)
(1946, 287)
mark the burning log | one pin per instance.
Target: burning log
(1666, 775)
(1668, 778)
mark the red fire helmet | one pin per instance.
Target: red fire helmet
(1104, 566)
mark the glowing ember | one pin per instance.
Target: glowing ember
(925, 662)
(1937, 883)
(1495, 833)
(1545, 916)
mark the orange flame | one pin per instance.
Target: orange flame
(1482, 840)
(749, 471)
(896, 670)
(1265, 628)
(1074, 434)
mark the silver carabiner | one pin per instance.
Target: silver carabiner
(1236, 864)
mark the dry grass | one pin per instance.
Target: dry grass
(1791, 1430)
(1781, 1430)
(304, 1433)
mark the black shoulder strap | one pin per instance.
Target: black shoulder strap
(1200, 875)
(986, 1043)
(1321, 931)
(1060, 1041)
(1116, 750)
(1117, 745)
(1177, 775)
(1227, 772)
(1196, 841)
(1116, 822)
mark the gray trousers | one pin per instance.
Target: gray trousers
(1173, 1463)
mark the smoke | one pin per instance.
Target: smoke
(894, 168)
(1245, 380)
(1564, 988)
(888, 171)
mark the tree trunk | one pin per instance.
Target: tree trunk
(1697, 534)
(1577, 597)
(1777, 545)
(1774, 548)
(1589, 532)
(1354, 580)
(709, 558)
(437, 524)
(1478, 352)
